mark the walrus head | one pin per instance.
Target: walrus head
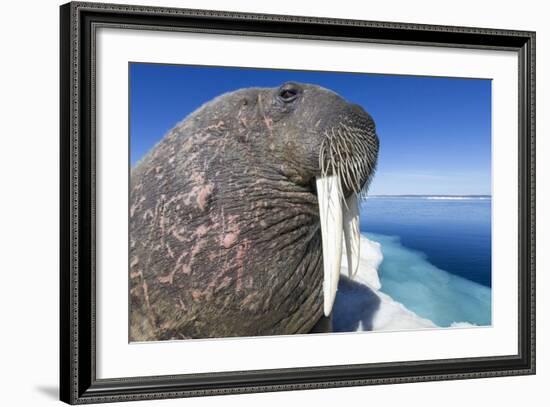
(318, 140)
(237, 216)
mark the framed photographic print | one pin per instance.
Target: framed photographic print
(259, 203)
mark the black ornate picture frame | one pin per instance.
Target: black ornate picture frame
(78, 381)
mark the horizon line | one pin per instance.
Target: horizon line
(443, 195)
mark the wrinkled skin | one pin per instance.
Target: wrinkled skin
(224, 223)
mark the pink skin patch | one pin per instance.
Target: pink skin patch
(203, 194)
(181, 304)
(136, 274)
(200, 192)
(241, 255)
(229, 240)
(216, 126)
(148, 214)
(197, 177)
(269, 123)
(179, 234)
(136, 205)
(187, 267)
(201, 231)
(169, 250)
(166, 279)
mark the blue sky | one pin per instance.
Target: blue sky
(435, 133)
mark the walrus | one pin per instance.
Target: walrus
(236, 216)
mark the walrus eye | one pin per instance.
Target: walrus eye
(288, 94)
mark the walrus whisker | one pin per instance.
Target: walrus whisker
(347, 152)
(356, 171)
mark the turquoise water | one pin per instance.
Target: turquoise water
(437, 255)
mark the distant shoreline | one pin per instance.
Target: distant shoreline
(435, 196)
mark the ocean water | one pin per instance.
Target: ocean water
(437, 254)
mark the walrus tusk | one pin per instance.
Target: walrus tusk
(351, 233)
(330, 210)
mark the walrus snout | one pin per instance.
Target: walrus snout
(347, 158)
(350, 149)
